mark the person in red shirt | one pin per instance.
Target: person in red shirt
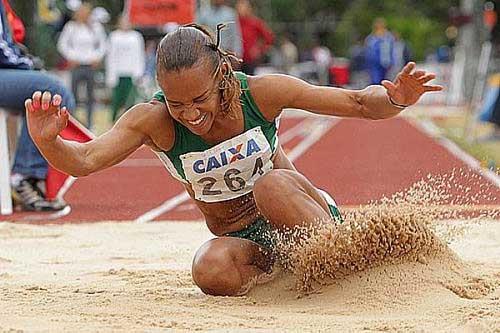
(257, 37)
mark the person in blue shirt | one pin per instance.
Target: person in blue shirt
(379, 48)
(18, 81)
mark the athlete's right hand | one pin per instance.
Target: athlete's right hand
(46, 119)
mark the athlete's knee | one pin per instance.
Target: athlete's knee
(214, 269)
(276, 184)
(275, 181)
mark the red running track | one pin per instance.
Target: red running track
(356, 161)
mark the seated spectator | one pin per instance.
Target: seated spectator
(19, 82)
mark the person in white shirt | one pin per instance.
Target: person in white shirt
(125, 64)
(83, 44)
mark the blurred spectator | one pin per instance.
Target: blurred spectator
(379, 47)
(125, 63)
(83, 44)
(443, 54)
(257, 37)
(495, 29)
(150, 59)
(495, 119)
(359, 78)
(73, 5)
(218, 12)
(401, 55)
(289, 54)
(100, 15)
(490, 97)
(357, 56)
(323, 58)
(18, 83)
(148, 84)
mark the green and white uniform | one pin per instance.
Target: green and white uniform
(227, 170)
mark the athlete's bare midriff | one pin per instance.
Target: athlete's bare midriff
(233, 215)
(225, 216)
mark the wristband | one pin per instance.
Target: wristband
(396, 104)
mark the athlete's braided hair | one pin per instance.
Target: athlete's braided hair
(189, 44)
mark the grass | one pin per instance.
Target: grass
(486, 151)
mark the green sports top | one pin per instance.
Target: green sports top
(227, 170)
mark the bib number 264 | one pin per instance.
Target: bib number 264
(232, 180)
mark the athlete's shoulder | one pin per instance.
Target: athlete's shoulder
(265, 81)
(271, 92)
(148, 111)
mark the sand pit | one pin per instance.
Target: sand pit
(136, 277)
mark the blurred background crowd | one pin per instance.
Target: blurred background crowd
(103, 51)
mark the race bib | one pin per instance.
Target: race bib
(230, 169)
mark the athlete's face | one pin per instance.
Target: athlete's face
(193, 96)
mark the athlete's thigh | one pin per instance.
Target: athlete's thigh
(284, 182)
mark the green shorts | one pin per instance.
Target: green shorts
(260, 231)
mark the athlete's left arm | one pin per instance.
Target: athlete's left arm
(276, 92)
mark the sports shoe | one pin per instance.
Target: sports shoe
(41, 187)
(28, 195)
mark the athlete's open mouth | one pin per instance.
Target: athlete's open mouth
(198, 121)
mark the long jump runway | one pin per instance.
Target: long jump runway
(355, 161)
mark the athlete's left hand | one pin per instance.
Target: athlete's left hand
(409, 85)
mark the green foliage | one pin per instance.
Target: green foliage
(340, 23)
(423, 26)
(422, 23)
(423, 34)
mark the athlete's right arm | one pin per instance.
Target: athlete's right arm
(46, 119)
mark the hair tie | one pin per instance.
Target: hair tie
(220, 26)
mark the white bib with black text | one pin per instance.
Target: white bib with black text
(229, 169)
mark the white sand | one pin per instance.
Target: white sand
(128, 277)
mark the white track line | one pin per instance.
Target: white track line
(428, 127)
(47, 217)
(66, 186)
(163, 208)
(294, 131)
(320, 127)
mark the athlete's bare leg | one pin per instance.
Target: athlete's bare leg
(288, 199)
(227, 265)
